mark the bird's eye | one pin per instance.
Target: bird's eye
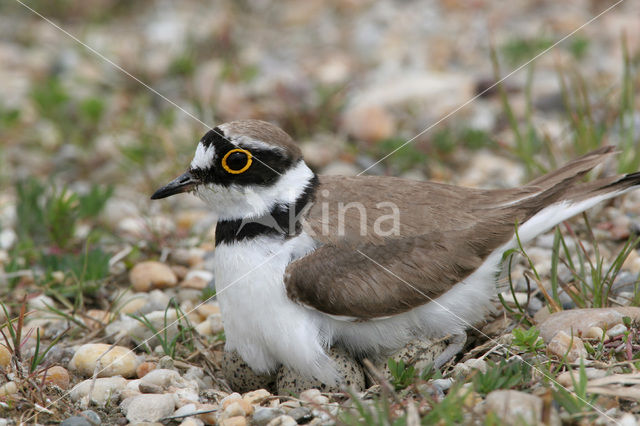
(236, 161)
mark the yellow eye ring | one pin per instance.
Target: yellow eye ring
(242, 170)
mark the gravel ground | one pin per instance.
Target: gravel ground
(91, 270)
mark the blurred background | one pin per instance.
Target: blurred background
(83, 144)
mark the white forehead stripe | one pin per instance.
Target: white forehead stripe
(204, 157)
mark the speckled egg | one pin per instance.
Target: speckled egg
(241, 378)
(289, 381)
(418, 352)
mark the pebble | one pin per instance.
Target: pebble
(134, 304)
(563, 345)
(85, 418)
(617, 330)
(104, 390)
(348, 369)
(592, 373)
(593, 333)
(5, 356)
(8, 388)
(119, 361)
(516, 408)
(192, 421)
(162, 378)
(148, 407)
(463, 369)
(241, 377)
(580, 320)
(256, 396)
(57, 376)
(144, 368)
(234, 421)
(369, 123)
(283, 420)
(97, 318)
(301, 414)
(238, 408)
(263, 415)
(150, 275)
(210, 417)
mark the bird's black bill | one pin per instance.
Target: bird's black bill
(183, 183)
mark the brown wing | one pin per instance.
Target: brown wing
(364, 265)
(369, 281)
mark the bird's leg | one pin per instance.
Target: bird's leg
(455, 345)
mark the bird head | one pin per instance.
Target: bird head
(243, 169)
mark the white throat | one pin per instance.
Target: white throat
(251, 201)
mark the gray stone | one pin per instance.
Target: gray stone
(301, 414)
(264, 415)
(148, 407)
(76, 421)
(517, 408)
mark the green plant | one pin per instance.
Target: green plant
(169, 344)
(505, 375)
(518, 50)
(528, 340)
(578, 403)
(401, 375)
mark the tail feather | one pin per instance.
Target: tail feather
(574, 169)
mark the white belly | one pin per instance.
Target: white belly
(260, 322)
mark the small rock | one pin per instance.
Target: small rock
(116, 361)
(301, 414)
(564, 345)
(77, 421)
(144, 368)
(134, 304)
(617, 330)
(162, 378)
(348, 369)
(148, 407)
(283, 421)
(104, 390)
(57, 376)
(238, 408)
(8, 388)
(149, 388)
(241, 377)
(85, 418)
(234, 421)
(464, 369)
(96, 318)
(264, 415)
(256, 396)
(192, 421)
(516, 408)
(149, 275)
(580, 320)
(5, 356)
(593, 333)
(230, 399)
(592, 373)
(370, 123)
(209, 413)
